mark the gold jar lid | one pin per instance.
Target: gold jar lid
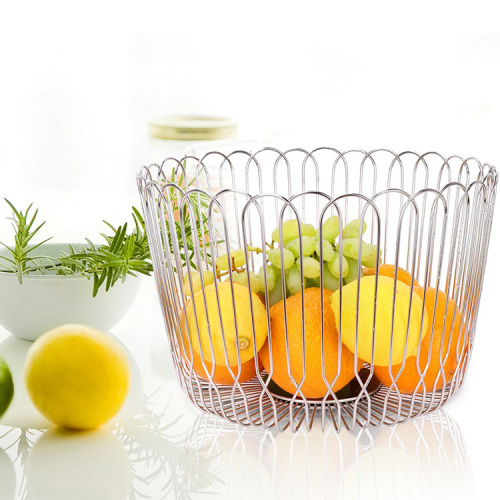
(192, 128)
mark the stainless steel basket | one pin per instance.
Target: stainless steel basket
(428, 216)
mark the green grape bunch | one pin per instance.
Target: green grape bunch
(299, 256)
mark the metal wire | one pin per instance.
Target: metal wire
(428, 214)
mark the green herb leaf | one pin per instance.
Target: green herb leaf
(23, 234)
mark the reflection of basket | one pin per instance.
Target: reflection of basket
(426, 213)
(425, 455)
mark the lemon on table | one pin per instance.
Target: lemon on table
(223, 298)
(76, 376)
(407, 324)
(6, 386)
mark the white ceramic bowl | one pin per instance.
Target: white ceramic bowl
(43, 302)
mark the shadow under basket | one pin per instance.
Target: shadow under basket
(399, 243)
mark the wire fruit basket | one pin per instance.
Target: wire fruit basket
(300, 286)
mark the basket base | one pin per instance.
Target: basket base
(349, 393)
(253, 404)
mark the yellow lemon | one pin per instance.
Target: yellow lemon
(213, 333)
(76, 376)
(407, 324)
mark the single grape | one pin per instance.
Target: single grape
(308, 246)
(334, 266)
(237, 260)
(254, 283)
(352, 229)
(330, 229)
(308, 230)
(293, 282)
(352, 275)
(254, 280)
(242, 279)
(328, 252)
(221, 263)
(234, 274)
(276, 294)
(330, 282)
(271, 278)
(208, 279)
(369, 254)
(238, 257)
(290, 230)
(312, 267)
(275, 258)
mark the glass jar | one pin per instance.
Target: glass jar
(178, 135)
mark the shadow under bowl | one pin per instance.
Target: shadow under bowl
(44, 301)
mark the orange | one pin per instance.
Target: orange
(389, 270)
(314, 385)
(410, 378)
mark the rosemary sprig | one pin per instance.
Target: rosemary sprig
(21, 260)
(122, 254)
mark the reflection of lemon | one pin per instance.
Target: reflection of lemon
(79, 466)
(407, 324)
(212, 328)
(6, 386)
(76, 376)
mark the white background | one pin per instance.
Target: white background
(79, 82)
